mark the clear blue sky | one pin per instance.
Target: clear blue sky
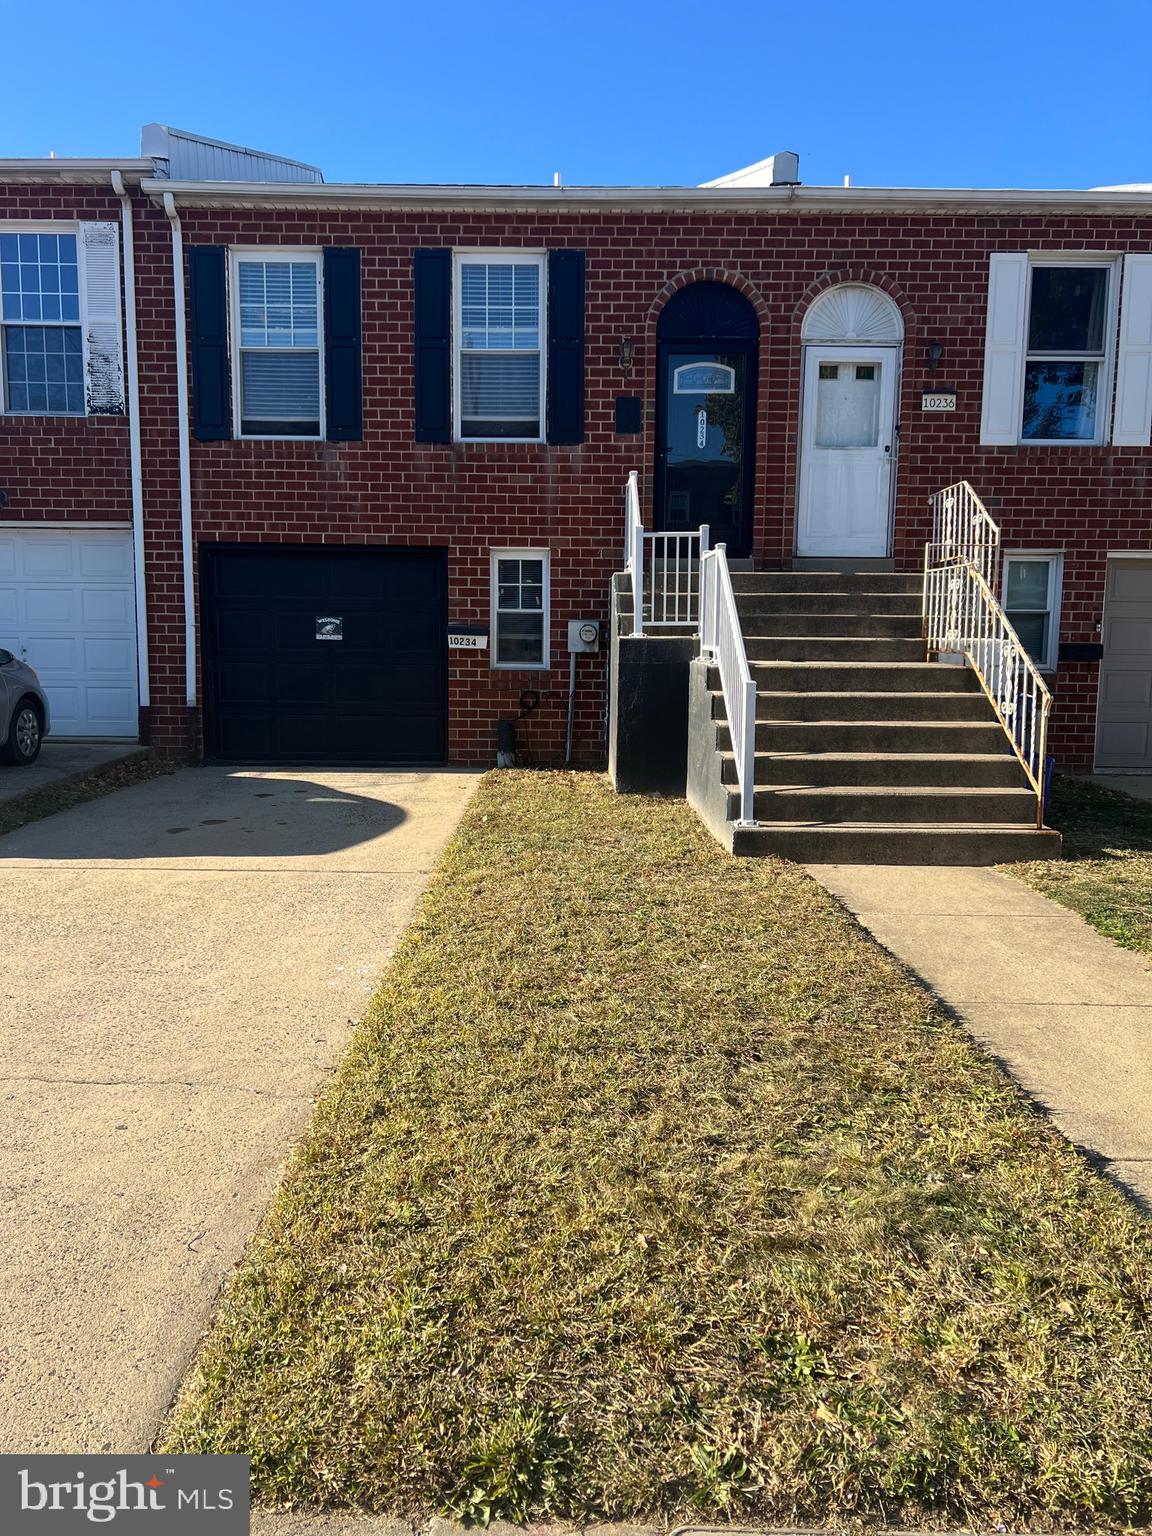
(931, 93)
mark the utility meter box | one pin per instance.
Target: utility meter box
(583, 635)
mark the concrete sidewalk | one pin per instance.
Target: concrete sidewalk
(63, 760)
(1068, 1012)
(182, 963)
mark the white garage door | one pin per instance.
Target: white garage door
(1124, 728)
(67, 607)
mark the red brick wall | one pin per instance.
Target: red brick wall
(469, 498)
(63, 467)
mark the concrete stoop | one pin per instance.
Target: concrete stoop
(866, 751)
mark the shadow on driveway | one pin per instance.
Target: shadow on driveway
(217, 816)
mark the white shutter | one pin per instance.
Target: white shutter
(1003, 405)
(1133, 420)
(99, 251)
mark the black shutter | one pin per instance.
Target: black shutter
(565, 347)
(345, 415)
(208, 296)
(432, 279)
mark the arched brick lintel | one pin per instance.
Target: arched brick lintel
(724, 275)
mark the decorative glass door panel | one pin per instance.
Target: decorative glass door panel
(703, 453)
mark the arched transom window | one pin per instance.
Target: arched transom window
(854, 313)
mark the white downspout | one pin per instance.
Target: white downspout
(142, 636)
(185, 464)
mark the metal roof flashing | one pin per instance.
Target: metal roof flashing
(184, 156)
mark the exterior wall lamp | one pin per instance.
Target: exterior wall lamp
(627, 354)
(933, 352)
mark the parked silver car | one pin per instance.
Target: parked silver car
(23, 711)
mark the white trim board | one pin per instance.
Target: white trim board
(64, 522)
(797, 197)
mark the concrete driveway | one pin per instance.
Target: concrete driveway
(180, 966)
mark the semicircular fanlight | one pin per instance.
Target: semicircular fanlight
(853, 312)
(705, 312)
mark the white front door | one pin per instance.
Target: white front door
(67, 608)
(847, 448)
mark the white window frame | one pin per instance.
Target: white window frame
(545, 556)
(237, 254)
(45, 227)
(522, 257)
(1106, 359)
(1055, 561)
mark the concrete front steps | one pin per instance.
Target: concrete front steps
(866, 752)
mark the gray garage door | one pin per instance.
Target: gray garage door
(1124, 728)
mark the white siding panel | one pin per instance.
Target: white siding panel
(1132, 426)
(1003, 401)
(99, 249)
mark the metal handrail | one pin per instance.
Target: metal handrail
(662, 567)
(963, 617)
(963, 530)
(634, 549)
(722, 643)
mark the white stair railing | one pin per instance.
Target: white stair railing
(634, 549)
(722, 644)
(963, 530)
(664, 568)
(963, 617)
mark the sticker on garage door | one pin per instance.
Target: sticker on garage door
(328, 628)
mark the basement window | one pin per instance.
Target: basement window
(520, 608)
(1031, 598)
(276, 340)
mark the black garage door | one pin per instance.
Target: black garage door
(324, 656)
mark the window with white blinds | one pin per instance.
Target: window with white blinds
(499, 315)
(276, 340)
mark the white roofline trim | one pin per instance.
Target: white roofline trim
(756, 199)
(65, 169)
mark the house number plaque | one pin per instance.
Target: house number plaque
(701, 429)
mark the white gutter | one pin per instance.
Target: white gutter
(186, 549)
(94, 171)
(795, 199)
(142, 635)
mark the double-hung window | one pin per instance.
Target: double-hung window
(276, 340)
(1031, 595)
(43, 355)
(520, 608)
(499, 330)
(1066, 384)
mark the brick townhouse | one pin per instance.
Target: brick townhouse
(299, 471)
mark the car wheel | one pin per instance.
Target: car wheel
(25, 735)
